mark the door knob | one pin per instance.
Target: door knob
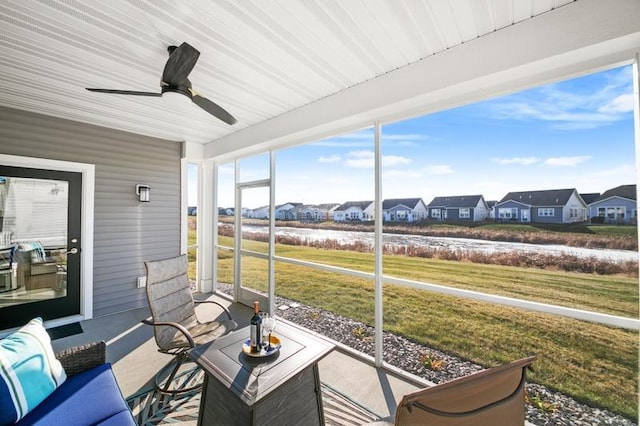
(73, 251)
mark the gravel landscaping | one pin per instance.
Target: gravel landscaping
(558, 409)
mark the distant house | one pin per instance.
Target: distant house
(549, 206)
(617, 205)
(286, 211)
(492, 208)
(225, 211)
(403, 210)
(316, 212)
(354, 211)
(459, 208)
(257, 213)
(192, 211)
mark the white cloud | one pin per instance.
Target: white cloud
(403, 174)
(566, 161)
(524, 161)
(622, 103)
(360, 159)
(439, 169)
(591, 106)
(329, 159)
(394, 160)
(366, 160)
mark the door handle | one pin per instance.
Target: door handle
(73, 251)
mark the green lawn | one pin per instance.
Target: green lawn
(592, 363)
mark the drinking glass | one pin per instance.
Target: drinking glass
(269, 325)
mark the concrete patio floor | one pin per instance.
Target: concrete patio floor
(132, 351)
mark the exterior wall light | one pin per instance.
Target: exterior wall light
(143, 192)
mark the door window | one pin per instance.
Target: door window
(39, 244)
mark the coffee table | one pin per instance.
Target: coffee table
(283, 388)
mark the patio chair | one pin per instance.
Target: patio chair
(490, 397)
(177, 329)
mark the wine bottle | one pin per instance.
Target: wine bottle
(256, 328)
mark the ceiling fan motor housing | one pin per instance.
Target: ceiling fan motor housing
(182, 89)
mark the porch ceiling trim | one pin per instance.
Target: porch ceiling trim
(582, 37)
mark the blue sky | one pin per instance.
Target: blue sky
(571, 134)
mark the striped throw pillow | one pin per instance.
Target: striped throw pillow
(29, 371)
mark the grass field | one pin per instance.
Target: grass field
(593, 363)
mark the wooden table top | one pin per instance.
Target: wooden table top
(251, 379)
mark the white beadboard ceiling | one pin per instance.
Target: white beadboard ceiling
(259, 59)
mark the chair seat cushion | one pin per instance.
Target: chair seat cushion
(88, 398)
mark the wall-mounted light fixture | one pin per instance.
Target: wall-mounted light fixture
(143, 192)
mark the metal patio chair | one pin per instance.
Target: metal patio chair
(177, 329)
(490, 397)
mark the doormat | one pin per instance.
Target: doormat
(64, 330)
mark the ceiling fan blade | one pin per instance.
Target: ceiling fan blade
(124, 92)
(214, 109)
(180, 63)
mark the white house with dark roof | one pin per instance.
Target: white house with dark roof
(459, 208)
(616, 205)
(547, 206)
(261, 212)
(286, 211)
(404, 210)
(316, 212)
(357, 211)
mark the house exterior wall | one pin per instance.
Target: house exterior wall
(354, 213)
(575, 210)
(612, 209)
(420, 212)
(313, 214)
(126, 232)
(259, 213)
(398, 214)
(518, 212)
(540, 214)
(368, 212)
(453, 215)
(401, 213)
(283, 212)
(481, 211)
(437, 213)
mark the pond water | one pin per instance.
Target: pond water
(458, 244)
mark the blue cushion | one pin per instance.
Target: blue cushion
(29, 371)
(88, 398)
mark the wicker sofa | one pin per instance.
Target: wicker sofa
(89, 396)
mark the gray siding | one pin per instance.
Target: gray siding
(126, 233)
(556, 218)
(629, 206)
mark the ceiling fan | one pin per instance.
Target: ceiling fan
(175, 83)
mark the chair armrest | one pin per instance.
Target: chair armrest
(180, 328)
(84, 357)
(226, 311)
